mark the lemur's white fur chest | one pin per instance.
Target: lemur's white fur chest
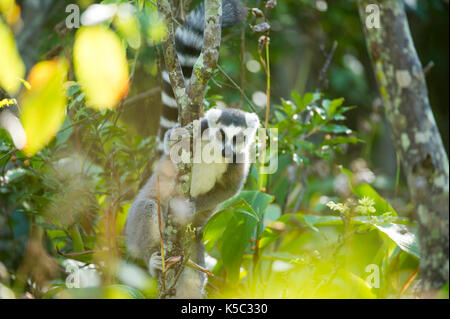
(205, 176)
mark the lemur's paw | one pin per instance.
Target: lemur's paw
(174, 136)
(155, 264)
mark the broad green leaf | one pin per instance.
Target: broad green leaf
(101, 66)
(122, 292)
(240, 226)
(381, 205)
(272, 213)
(77, 241)
(443, 293)
(235, 241)
(312, 221)
(12, 69)
(257, 200)
(400, 234)
(365, 190)
(43, 107)
(215, 227)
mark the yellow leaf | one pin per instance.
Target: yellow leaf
(101, 66)
(157, 30)
(43, 106)
(130, 29)
(6, 5)
(12, 68)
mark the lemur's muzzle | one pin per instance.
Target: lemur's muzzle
(227, 151)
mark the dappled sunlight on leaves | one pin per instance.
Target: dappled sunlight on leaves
(43, 106)
(101, 66)
(12, 68)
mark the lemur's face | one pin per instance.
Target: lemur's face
(234, 129)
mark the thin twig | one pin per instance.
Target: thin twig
(163, 283)
(323, 82)
(244, 27)
(141, 96)
(409, 281)
(428, 68)
(252, 106)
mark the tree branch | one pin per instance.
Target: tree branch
(190, 99)
(206, 63)
(173, 66)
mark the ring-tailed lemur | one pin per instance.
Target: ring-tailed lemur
(188, 44)
(211, 182)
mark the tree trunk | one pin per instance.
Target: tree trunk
(413, 129)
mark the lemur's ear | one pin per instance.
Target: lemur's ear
(213, 115)
(252, 120)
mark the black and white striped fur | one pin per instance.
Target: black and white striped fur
(212, 183)
(189, 42)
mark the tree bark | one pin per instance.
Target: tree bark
(414, 132)
(190, 99)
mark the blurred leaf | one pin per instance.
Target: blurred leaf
(12, 68)
(312, 221)
(122, 292)
(443, 293)
(101, 66)
(333, 106)
(130, 29)
(272, 213)
(76, 239)
(336, 129)
(43, 107)
(341, 140)
(240, 227)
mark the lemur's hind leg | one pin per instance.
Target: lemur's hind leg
(191, 283)
(142, 229)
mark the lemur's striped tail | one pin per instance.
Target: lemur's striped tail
(188, 43)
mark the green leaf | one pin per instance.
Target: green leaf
(236, 236)
(381, 205)
(341, 140)
(257, 200)
(336, 129)
(443, 293)
(215, 227)
(77, 240)
(312, 221)
(334, 105)
(65, 132)
(406, 240)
